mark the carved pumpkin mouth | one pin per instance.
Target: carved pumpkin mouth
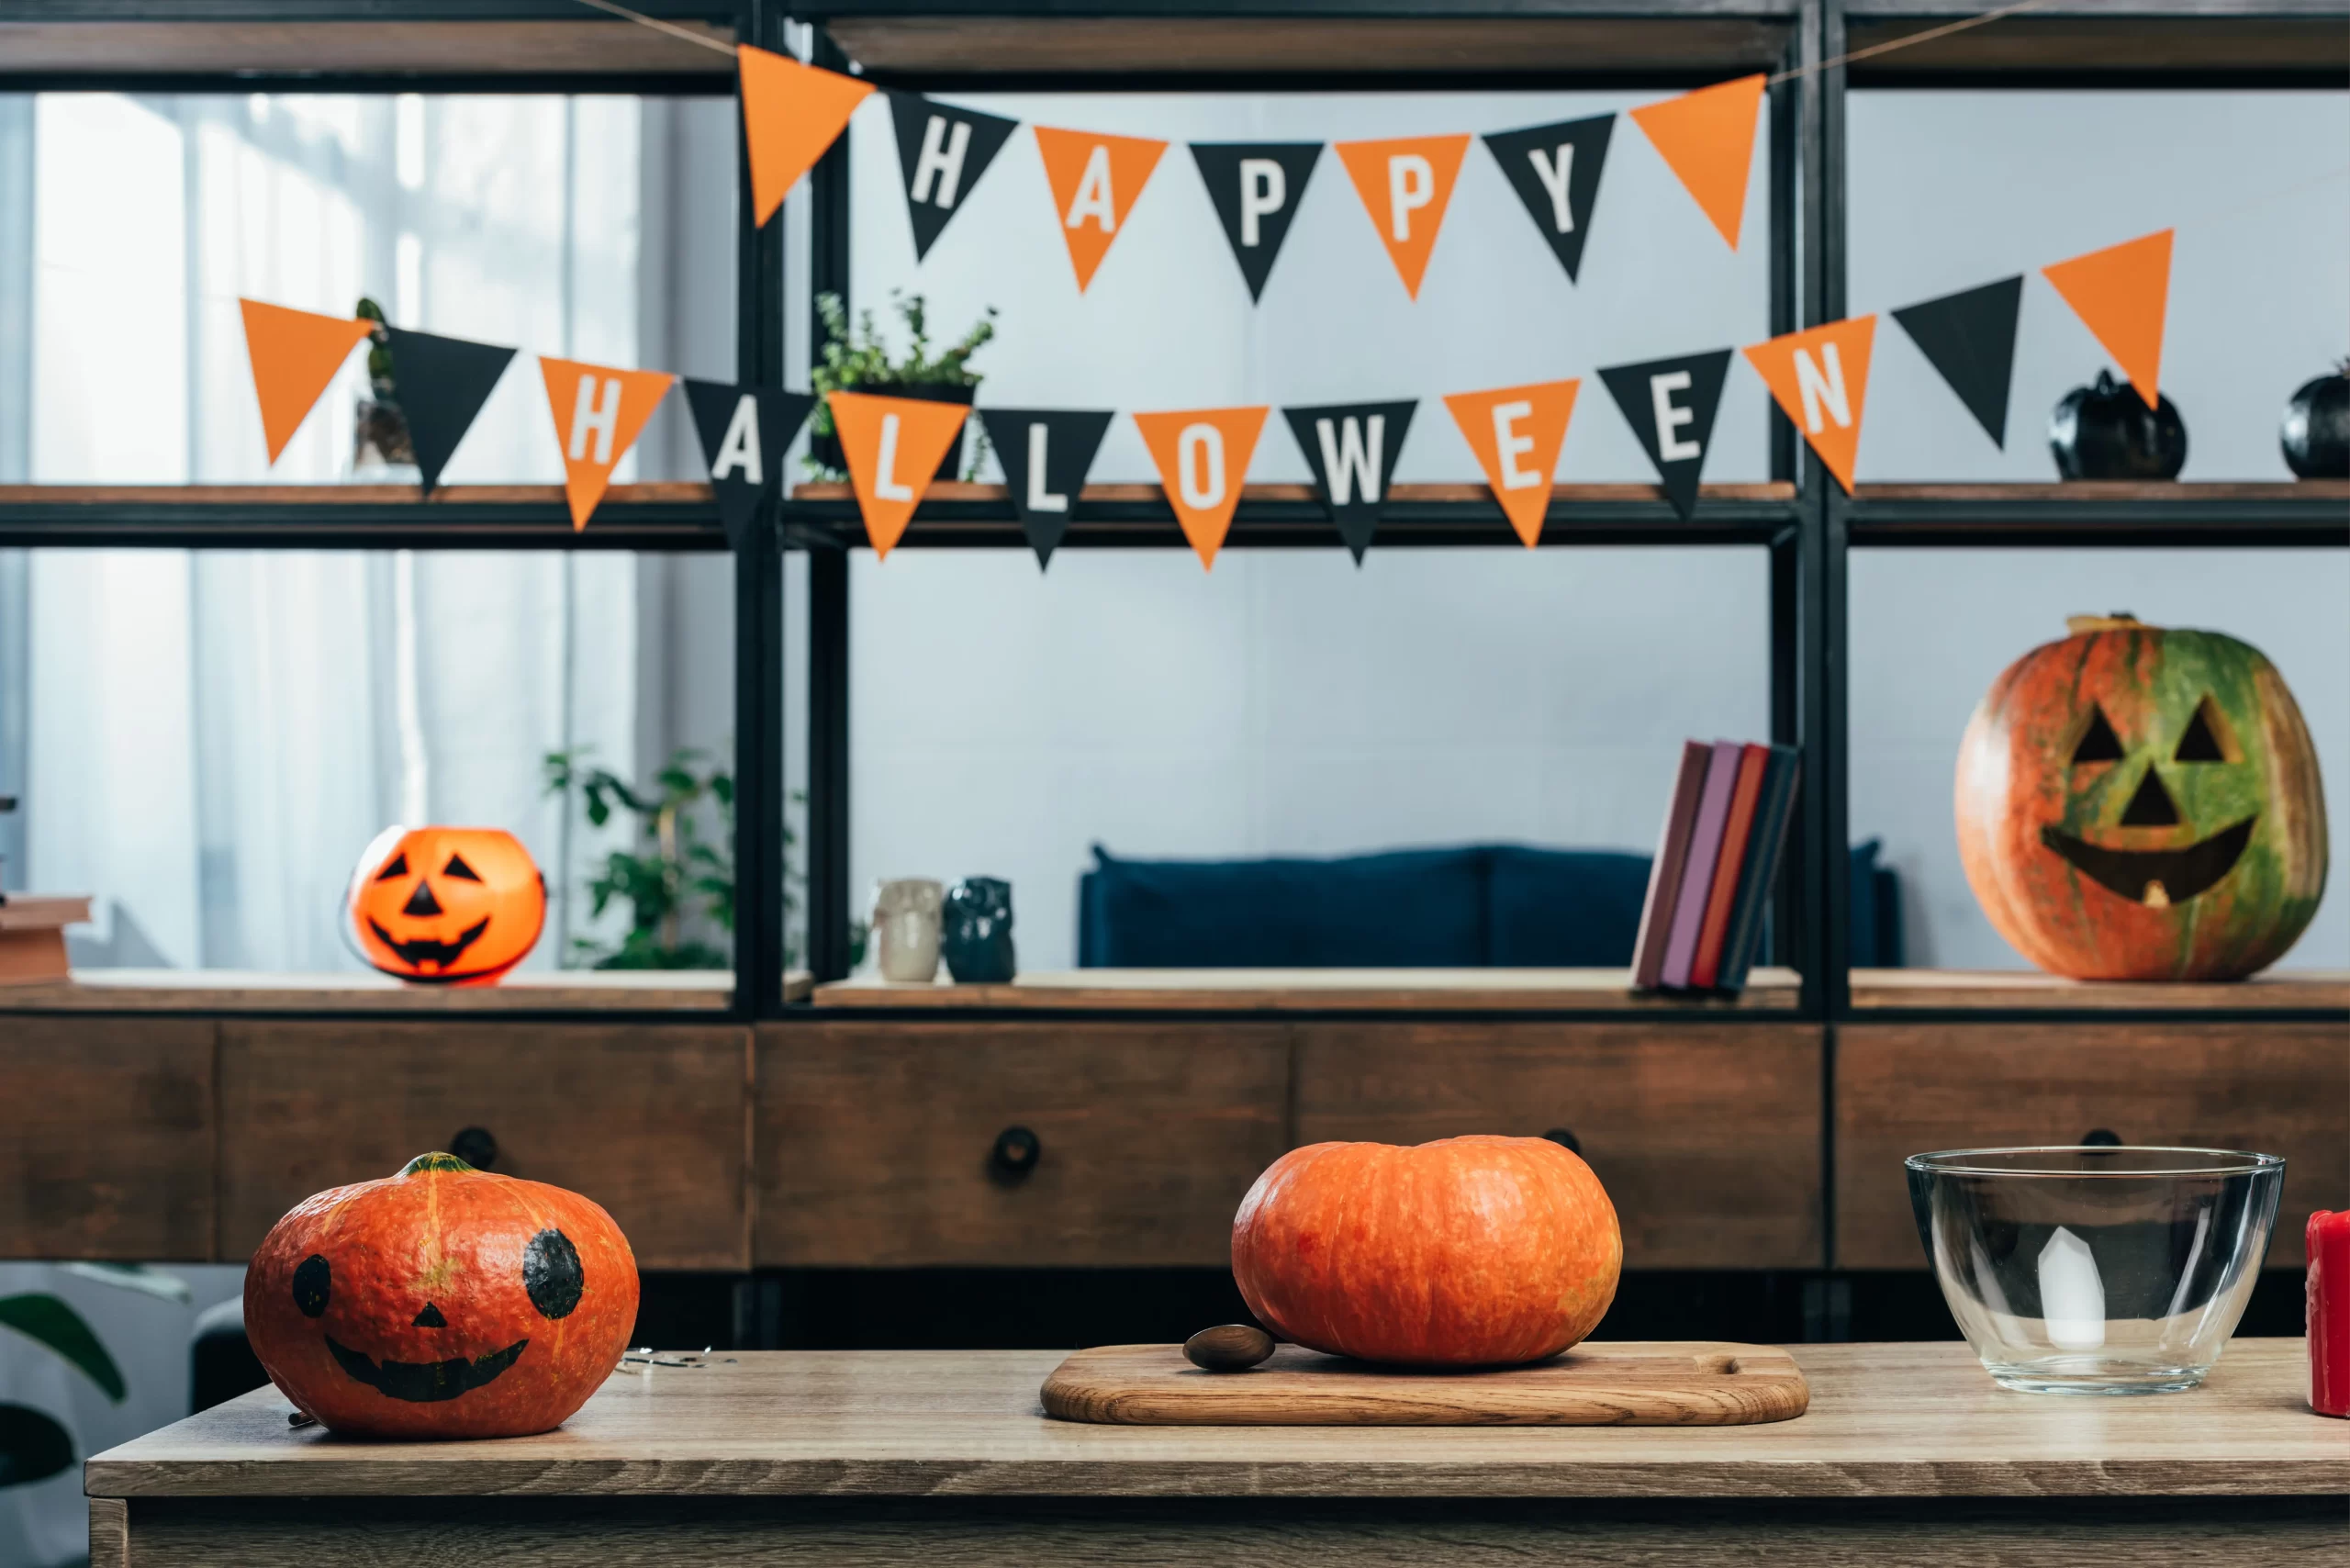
(425, 1383)
(428, 950)
(2156, 877)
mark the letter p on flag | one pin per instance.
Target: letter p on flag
(1405, 185)
(1820, 379)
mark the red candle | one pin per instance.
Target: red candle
(2328, 1240)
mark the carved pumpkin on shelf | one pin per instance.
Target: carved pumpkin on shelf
(2142, 803)
(2315, 432)
(446, 906)
(444, 1302)
(2106, 431)
(1468, 1251)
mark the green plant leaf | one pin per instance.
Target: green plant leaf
(32, 1447)
(47, 1320)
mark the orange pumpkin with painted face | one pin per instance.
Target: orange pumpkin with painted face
(447, 905)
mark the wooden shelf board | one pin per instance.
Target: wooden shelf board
(235, 990)
(672, 493)
(1301, 990)
(1960, 990)
(2119, 42)
(1400, 495)
(2070, 490)
(590, 46)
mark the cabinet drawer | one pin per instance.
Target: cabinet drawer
(877, 1141)
(105, 1140)
(647, 1121)
(1707, 1137)
(1903, 1090)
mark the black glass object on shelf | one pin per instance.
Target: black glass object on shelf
(974, 936)
(2315, 432)
(2106, 431)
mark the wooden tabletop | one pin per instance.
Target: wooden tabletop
(239, 990)
(1966, 990)
(1886, 1421)
(1293, 991)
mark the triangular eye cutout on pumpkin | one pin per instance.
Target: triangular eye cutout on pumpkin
(398, 868)
(458, 868)
(2097, 743)
(2152, 805)
(2205, 738)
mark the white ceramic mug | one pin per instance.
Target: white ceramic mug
(905, 929)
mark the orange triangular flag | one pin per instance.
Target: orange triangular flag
(1095, 180)
(1707, 138)
(1203, 456)
(598, 411)
(792, 113)
(2121, 294)
(893, 446)
(1516, 432)
(1405, 185)
(1821, 378)
(295, 354)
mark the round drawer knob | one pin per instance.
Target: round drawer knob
(476, 1146)
(2100, 1137)
(1565, 1138)
(1015, 1153)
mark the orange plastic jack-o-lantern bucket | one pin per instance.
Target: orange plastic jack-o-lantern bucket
(446, 906)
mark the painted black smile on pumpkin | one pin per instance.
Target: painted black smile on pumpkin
(426, 949)
(2133, 873)
(425, 1383)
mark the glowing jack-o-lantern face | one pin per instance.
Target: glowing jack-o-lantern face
(2140, 803)
(446, 906)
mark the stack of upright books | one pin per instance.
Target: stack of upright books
(1715, 866)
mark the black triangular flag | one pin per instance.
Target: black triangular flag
(443, 382)
(1971, 338)
(1255, 186)
(1555, 169)
(1352, 449)
(1045, 454)
(941, 153)
(1671, 404)
(745, 433)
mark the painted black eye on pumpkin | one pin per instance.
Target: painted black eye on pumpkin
(2202, 741)
(313, 1284)
(551, 1274)
(398, 868)
(458, 868)
(2097, 743)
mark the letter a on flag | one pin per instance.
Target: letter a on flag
(1405, 185)
(1203, 456)
(1516, 432)
(1707, 138)
(792, 113)
(893, 446)
(1095, 181)
(1821, 378)
(597, 412)
(2121, 293)
(295, 354)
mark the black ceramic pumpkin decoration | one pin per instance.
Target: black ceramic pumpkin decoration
(2106, 431)
(2315, 433)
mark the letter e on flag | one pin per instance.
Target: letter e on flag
(1516, 432)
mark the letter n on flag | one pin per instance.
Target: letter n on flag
(294, 354)
(1095, 181)
(1203, 456)
(1405, 185)
(1516, 432)
(597, 412)
(792, 113)
(893, 446)
(1821, 378)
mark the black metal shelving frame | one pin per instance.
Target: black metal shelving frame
(1808, 535)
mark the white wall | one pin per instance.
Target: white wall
(1002, 722)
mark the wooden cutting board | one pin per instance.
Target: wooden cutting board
(1657, 1384)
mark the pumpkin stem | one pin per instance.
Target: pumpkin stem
(435, 1162)
(2120, 620)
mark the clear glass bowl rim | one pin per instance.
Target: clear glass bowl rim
(2191, 1162)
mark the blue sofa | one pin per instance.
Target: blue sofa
(1498, 905)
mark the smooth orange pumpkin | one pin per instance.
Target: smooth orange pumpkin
(447, 905)
(1469, 1251)
(444, 1302)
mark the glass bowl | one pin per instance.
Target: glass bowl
(2096, 1271)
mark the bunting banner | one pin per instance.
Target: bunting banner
(1352, 449)
(1671, 405)
(1821, 378)
(2121, 294)
(1555, 169)
(893, 447)
(1516, 432)
(295, 355)
(597, 412)
(1706, 138)
(1405, 185)
(443, 382)
(791, 114)
(1255, 187)
(1203, 456)
(1970, 340)
(1095, 182)
(941, 153)
(745, 433)
(1046, 454)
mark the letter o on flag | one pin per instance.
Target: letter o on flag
(1199, 466)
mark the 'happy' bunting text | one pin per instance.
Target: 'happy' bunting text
(294, 354)
(745, 431)
(1671, 405)
(2121, 294)
(1255, 187)
(1820, 378)
(598, 413)
(1708, 139)
(1516, 432)
(1405, 185)
(941, 153)
(1970, 337)
(1203, 456)
(443, 382)
(1352, 449)
(1046, 454)
(1555, 169)
(893, 446)
(1095, 180)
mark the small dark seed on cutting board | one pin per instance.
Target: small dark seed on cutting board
(1233, 1346)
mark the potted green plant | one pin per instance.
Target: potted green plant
(379, 438)
(860, 361)
(33, 1446)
